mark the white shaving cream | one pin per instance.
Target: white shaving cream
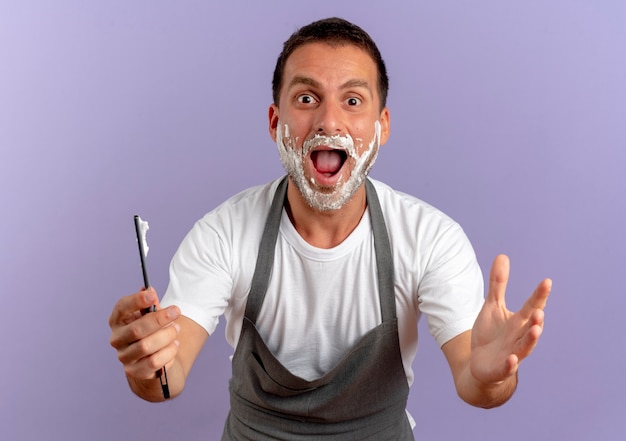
(326, 198)
(143, 230)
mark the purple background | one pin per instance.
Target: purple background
(509, 116)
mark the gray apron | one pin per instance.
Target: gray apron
(362, 398)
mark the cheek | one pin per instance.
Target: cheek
(368, 137)
(286, 136)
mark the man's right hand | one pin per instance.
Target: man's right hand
(144, 343)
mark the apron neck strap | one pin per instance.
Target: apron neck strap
(265, 257)
(384, 259)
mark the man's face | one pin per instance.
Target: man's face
(328, 125)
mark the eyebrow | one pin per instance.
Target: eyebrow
(308, 81)
(355, 83)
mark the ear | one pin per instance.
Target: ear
(385, 126)
(273, 120)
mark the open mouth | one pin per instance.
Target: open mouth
(328, 162)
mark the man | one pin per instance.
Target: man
(322, 277)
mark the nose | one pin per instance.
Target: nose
(329, 119)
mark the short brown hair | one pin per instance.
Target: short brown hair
(333, 31)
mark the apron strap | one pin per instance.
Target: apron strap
(265, 257)
(384, 259)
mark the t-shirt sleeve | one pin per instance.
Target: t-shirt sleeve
(200, 282)
(451, 290)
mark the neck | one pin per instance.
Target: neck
(324, 229)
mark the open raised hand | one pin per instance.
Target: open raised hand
(501, 339)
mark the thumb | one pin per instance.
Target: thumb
(150, 300)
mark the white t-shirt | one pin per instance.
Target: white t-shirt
(321, 301)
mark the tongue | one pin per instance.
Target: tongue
(327, 161)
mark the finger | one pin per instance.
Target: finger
(146, 368)
(498, 279)
(541, 294)
(529, 341)
(128, 306)
(149, 345)
(143, 327)
(537, 299)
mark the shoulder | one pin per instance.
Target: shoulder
(423, 238)
(249, 199)
(248, 205)
(238, 220)
(410, 211)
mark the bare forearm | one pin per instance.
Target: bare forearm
(483, 395)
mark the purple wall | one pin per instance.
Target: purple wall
(509, 116)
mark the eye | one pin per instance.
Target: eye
(306, 99)
(353, 101)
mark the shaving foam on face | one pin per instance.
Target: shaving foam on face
(326, 199)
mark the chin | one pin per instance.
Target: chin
(329, 198)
